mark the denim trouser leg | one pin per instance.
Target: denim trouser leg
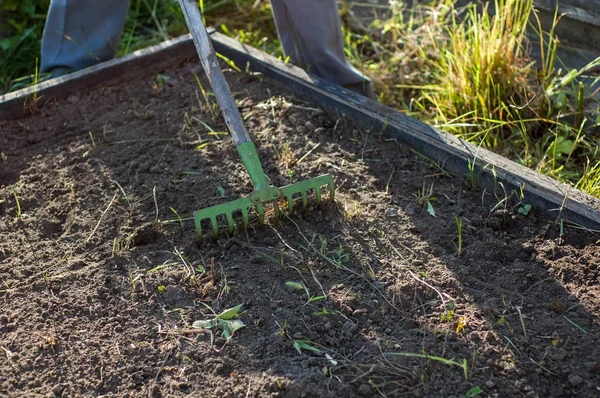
(80, 33)
(311, 35)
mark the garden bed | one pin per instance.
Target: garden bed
(99, 296)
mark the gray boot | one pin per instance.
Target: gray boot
(81, 33)
(311, 35)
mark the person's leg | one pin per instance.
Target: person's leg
(81, 33)
(311, 35)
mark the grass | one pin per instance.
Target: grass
(455, 67)
(17, 202)
(473, 75)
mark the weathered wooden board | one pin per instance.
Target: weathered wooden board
(561, 200)
(454, 154)
(148, 60)
(579, 25)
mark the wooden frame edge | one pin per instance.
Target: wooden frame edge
(559, 199)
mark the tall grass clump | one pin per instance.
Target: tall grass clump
(482, 70)
(470, 71)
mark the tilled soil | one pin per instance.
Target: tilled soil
(102, 274)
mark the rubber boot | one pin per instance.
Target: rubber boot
(311, 35)
(81, 33)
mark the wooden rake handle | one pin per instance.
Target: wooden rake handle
(209, 61)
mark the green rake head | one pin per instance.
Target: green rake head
(260, 197)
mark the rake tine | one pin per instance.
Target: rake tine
(198, 228)
(230, 221)
(261, 213)
(318, 195)
(331, 190)
(304, 199)
(290, 199)
(215, 226)
(276, 208)
(245, 217)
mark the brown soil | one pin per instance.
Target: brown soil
(98, 299)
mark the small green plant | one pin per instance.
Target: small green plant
(425, 198)
(524, 210)
(463, 364)
(302, 286)
(474, 391)
(322, 312)
(471, 177)
(177, 215)
(159, 82)
(18, 203)
(459, 223)
(223, 321)
(161, 289)
(448, 315)
(299, 345)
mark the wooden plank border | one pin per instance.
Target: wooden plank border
(560, 200)
(148, 60)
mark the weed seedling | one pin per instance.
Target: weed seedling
(448, 315)
(471, 175)
(474, 391)
(459, 223)
(302, 286)
(159, 82)
(322, 312)
(425, 198)
(18, 203)
(463, 364)
(178, 216)
(524, 210)
(223, 321)
(299, 345)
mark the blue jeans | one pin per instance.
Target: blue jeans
(81, 33)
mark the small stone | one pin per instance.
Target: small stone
(358, 312)
(72, 99)
(388, 331)
(530, 305)
(391, 212)
(328, 326)
(490, 384)
(349, 327)
(58, 389)
(256, 259)
(365, 390)
(559, 355)
(313, 361)
(216, 306)
(575, 380)
(173, 293)
(298, 336)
